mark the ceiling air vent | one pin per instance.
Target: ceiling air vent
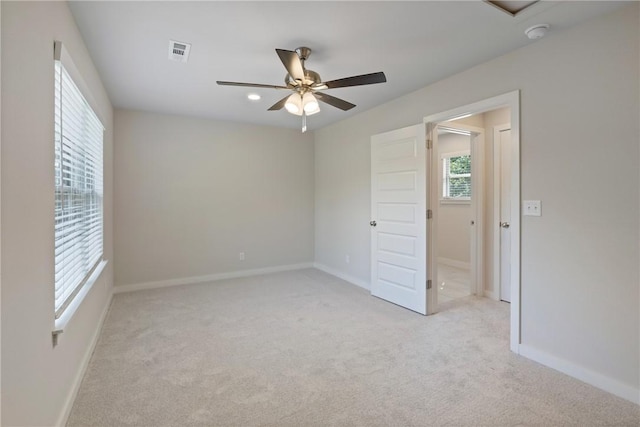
(179, 51)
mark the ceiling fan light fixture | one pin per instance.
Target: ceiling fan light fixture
(294, 104)
(310, 104)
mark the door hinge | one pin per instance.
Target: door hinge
(429, 214)
(429, 284)
(429, 144)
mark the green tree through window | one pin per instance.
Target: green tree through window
(456, 177)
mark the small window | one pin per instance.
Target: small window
(456, 176)
(78, 141)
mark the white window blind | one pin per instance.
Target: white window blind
(78, 189)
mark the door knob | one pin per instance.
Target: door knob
(373, 223)
(504, 224)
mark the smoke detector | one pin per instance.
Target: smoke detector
(179, 51)
(537, 31)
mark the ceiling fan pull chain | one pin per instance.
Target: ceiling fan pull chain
(304, 121)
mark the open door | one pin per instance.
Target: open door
(399, 217)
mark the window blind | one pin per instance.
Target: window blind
(78, 140)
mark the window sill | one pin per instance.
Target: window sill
(455, 201)
(62, 322)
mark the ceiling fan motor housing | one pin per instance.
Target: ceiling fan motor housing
(311, 78)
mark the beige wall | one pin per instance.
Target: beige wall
(579, 153)
(37, 378)
(191, 194)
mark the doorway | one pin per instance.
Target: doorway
(471, 188)
(486, 282)
(404, 194)
(457, 203)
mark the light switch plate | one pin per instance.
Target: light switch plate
(532, 208)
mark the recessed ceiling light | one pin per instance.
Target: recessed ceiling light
(254, 97)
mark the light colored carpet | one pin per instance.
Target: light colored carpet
(304, 348)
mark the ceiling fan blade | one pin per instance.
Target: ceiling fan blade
(221, 83)
(278, 105)
(332, 100)
(292, 63)
(364, 79)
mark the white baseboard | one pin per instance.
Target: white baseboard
(209, 278)
(454, 263)
(586, 375)
(344, 276)
(84, 364)
(491, 295)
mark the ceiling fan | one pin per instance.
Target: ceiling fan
(307, 86)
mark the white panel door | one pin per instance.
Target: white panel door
(398, 217)
(505, 214)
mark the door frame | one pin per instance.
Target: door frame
(510, 100)
(497, 203)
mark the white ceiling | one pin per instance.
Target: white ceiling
(415, 43)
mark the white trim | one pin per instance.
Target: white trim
(510, 100)
(433, 190)
(344, 276)
(61, 323)
(581, 373)
(477, 209)
(118, 289)
(491, 294)
(77, 381)
(454, 263)
(0, 264)
(455, 201)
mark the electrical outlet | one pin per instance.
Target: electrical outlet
(532, 208)
(241, 256)
(347, 259)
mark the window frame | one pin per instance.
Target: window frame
(91, 149)
(445, 175)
